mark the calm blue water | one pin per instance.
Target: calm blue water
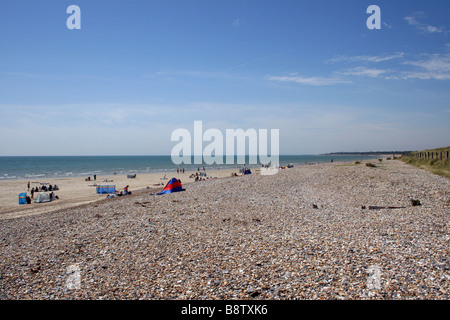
(84, 166)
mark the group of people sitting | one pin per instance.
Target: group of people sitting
(120, 193)
(198, 176)
(43, 188)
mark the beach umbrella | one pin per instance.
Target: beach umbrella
(174, 185)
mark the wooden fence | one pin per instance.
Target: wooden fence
(430, 155)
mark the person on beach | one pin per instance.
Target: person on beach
(28, 185)
(32, 193)
(125, 190)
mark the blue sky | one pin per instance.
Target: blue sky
(138, 70)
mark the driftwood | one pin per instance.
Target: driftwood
(413, 203)
(378, 207)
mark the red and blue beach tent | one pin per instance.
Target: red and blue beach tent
(174, 185)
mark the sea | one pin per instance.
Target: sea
(40, 167)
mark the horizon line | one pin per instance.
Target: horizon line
(246, 155)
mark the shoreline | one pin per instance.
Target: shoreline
(40, 169)
(76, 191)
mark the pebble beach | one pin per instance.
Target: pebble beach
(325, 231)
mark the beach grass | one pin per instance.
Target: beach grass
(433, 160)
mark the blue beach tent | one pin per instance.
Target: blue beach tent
(23, 198)
(106, 189)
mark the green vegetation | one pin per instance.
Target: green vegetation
(369, 164)
(434, 160)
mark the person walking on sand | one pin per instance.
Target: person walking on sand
(28, 185)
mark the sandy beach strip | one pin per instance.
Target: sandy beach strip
(75, 191)
(305, 233)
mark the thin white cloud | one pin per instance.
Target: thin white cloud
(366, 58)
(313, 81)
(435, 62)
(364, 72)
(423, 67)
(423, 27)
(435, 66)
